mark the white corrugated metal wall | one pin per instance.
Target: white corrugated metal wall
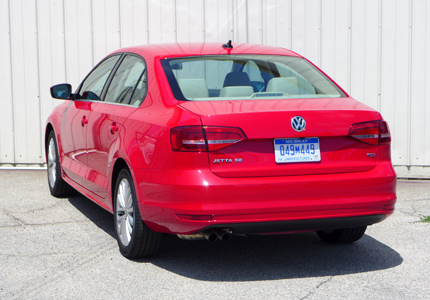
(378, 50)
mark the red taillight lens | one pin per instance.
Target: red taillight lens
(384, 133)
(221, 137)
(188, 138)
(374, 133)
(203, 138)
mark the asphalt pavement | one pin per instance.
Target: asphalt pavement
(65, 249)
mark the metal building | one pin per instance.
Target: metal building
(378, 50)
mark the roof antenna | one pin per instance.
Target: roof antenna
(228, 45)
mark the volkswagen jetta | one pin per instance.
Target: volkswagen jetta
(211, 141)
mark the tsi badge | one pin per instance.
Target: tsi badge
(226, 160)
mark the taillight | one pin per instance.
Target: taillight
(204, 138)
(374, 133)
(221, 137)
(188, 138)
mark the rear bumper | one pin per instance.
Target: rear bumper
(298, 225)
(264, 204)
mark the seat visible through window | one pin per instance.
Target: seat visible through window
(194, 88)
(237, 79)
(289, 85)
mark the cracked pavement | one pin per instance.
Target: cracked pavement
(65, 249)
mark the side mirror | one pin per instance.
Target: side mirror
(61, 91)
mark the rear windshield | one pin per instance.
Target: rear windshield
(240, 77)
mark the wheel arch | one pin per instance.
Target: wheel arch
(120, 164)
(48, 129)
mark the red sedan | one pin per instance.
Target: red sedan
(210, 141)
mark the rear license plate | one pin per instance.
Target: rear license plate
(297, 150)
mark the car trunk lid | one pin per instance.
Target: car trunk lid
(263, 121)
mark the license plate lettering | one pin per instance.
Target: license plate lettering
(297, 150)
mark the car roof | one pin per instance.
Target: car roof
(196, 49)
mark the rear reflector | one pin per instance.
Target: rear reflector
(204, 138)
(195, 217)
(374, 133)
(389, 207)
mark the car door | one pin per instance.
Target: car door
(126, 91)
(77, 117)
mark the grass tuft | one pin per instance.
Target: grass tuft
(425, 219)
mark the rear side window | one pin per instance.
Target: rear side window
(241, 77)
(92, 86)
(128, 85)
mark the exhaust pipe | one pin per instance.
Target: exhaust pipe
(191, 237)
(222, 235)
(208, 235)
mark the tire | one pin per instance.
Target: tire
(342, 236)
(134, 238)
(58, 187)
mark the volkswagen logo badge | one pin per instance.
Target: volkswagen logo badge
(298, 123)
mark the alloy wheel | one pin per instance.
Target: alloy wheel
(52, 163)
(124, 212)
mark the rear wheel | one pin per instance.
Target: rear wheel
(342, 236)
(58, 187)
(135, 239)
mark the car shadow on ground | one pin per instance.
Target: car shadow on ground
(100, 217)
(255, 258)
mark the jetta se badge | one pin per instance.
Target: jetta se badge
(226, 160)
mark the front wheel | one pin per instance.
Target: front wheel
(135, 239)
(58, 187)
(342, 236)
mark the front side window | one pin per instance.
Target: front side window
(92, 87)
(128, 85)
(241, 77)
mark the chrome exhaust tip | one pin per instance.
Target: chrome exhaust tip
(211, 236)
(222, 235)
